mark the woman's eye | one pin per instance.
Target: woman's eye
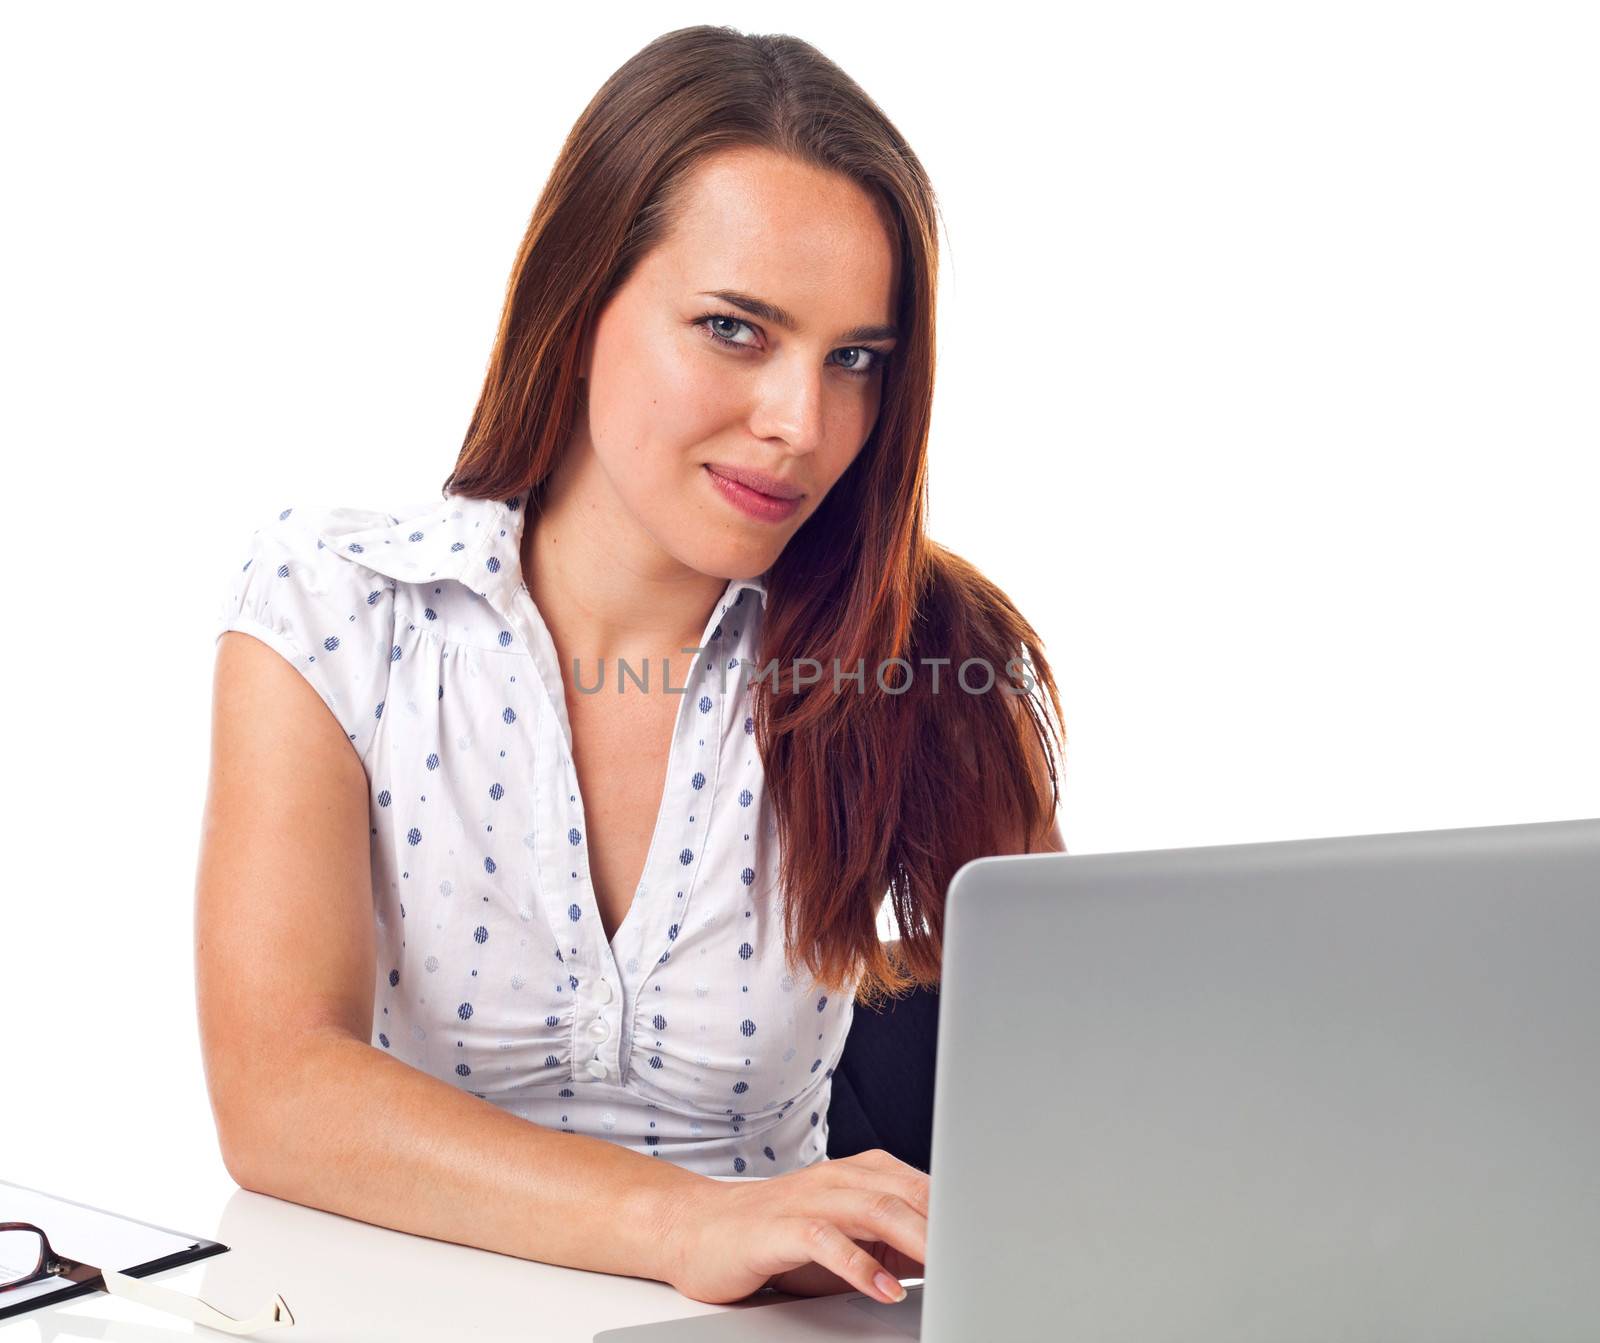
(710, 325)
(874, 361)
(732, 322)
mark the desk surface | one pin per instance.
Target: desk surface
(346, 1280)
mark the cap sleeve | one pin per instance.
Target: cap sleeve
(330, 619)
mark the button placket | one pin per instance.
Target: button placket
(585, 958)
(595, 1025)
(600, 1042)
(603, 1036)
(595, 1030)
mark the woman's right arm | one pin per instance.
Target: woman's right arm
(307, 1110)
(285, 957)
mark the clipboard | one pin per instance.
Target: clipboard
(94, 1236)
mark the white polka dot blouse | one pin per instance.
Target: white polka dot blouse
(685, 1036)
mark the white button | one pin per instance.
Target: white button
(602, 991)
(597, 1070)
(599, 1030)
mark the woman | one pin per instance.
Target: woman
(609, 927)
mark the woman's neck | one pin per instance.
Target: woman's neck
(604, 587)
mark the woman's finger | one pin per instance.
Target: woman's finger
(879, 1215)
(824, 1243)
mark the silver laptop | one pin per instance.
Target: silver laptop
(1330, 1088)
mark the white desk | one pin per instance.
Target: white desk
(347, 1280)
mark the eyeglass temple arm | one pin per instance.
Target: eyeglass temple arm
(191, 1307)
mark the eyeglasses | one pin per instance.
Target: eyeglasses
(26, 1256)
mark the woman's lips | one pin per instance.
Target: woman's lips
(763, 507)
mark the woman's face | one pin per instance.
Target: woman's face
(672, 408)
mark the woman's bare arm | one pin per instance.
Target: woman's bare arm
(306, 1109)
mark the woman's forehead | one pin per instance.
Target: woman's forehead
(823, 255)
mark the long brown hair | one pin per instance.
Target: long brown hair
(893, 787)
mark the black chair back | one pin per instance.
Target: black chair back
(883, 1086)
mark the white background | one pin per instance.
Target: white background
(1267, 389)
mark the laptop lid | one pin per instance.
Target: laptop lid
(1330, 1088)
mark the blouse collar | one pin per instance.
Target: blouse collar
(477, 542)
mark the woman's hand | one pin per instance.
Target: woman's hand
(828, 1227)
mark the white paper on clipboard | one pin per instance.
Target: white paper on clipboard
(91, 1236)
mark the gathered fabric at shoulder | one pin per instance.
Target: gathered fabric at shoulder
(331, 619)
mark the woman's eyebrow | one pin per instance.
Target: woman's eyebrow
(771, 312)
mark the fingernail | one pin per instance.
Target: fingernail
(890, 1287)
